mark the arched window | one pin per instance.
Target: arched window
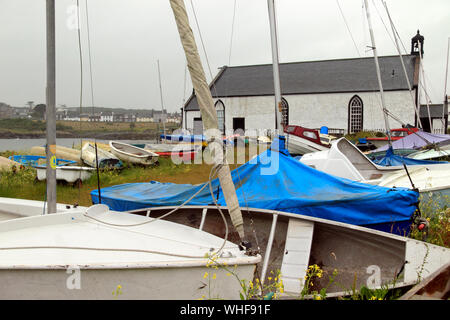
(355, 115)
(284, 112)
(220, 109)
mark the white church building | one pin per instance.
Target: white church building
(342, 94)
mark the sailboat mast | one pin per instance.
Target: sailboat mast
(275, 63)
(208, 113)
(50, 109)
(416, 108)
(380, 84)
(162, 103)
(445, 89)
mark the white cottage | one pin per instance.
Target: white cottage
(342, 94)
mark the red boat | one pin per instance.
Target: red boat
(301, 140)
(396, 134)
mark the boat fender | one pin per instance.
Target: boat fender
(422, 224)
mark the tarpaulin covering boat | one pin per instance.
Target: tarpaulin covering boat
(276, 181)
(391, 159)
(416, 140)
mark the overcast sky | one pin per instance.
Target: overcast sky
(128, 37)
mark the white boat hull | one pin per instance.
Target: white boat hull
(344, 160)
(98, 254)
(290, 243)
(68, 174)
(298, 145)
(132, 154)
(105, 158)
(149, 283)
(11, 208)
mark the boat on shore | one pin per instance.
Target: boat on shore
(61, 152)
(129, 153)
(12, 208)
(181, 151)
(69, 174)
(33, 161)
(396, 134)
(345, 160)
(106, 160)
(291, 243)
(119, 253)
(8, 164)
(290, 187)
(300, 140)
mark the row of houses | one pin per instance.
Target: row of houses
(124, 116)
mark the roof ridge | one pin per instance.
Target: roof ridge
(313, 61)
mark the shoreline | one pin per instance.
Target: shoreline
(97, 135)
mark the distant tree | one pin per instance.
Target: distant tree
(39, 111)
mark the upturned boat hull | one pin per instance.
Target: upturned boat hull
(132, 154)
(68, 174)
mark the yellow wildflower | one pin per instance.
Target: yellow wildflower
(205, 275)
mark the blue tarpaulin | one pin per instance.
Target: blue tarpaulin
(277, 181)
(391, 159)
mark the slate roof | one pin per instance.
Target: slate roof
(435, 111)
(328, 76)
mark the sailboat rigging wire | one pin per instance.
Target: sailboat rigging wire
(445, 88)
(232, 32)
(203, 46)
(348, 29)
(81, 93)
(90, 58)
(416, 108)
(98, 174)
(423, 80)
(382, 21)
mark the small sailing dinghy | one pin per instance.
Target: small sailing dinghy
(106, 160)
(182, 151)
(44, 257)
(129, 153)
(70, 174)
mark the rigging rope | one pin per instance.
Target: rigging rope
(348, 29)
(232, 32)
(203, 47)
(81, 95)
(90, 58)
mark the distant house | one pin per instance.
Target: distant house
(6, 111)
(435, 117)
(107, 117)
(142, 117)
(118, 117)
(84, 117)
(342, 94)
(61, 115)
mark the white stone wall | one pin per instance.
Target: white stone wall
(331, 110)
(316, 110)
